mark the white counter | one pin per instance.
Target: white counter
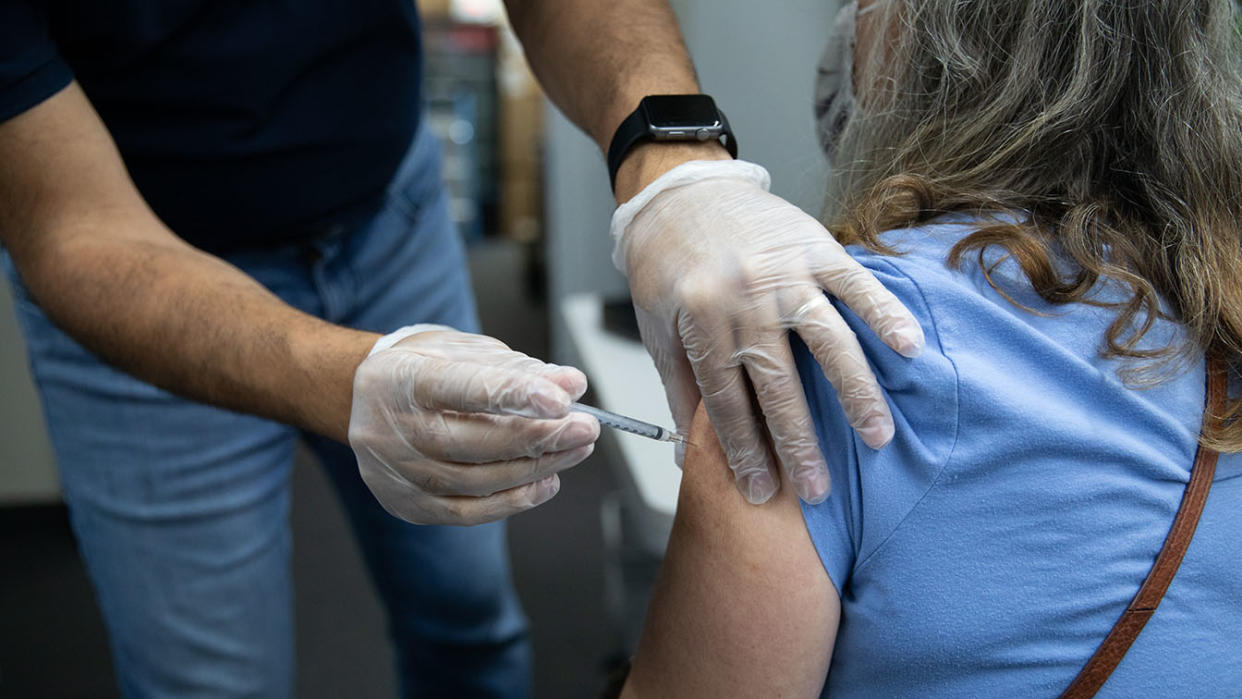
(625, 381)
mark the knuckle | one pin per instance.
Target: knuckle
(542, 439)
(434, 444)
(843, 366)
(858, 384)
(860, 411)
(435, 483)
(726, 394)
(777, 384)
(458, 511)
(835, 270)
(746, 456)
(522, 498)
(749, 270)
(533, 466)
(805, 305)
(826, 256)
(782, 408)
(746, 463)
(699, 293)
(433, 437)
(517, 363)
(802, 447)
(707, 355)
(489, 342)
(534, 449)
(854, 277)
(819, 312)
(764, 361)
(860, 407)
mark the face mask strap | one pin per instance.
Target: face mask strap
(834, 98)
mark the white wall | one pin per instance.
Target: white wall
(758, 60)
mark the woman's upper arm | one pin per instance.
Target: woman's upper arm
(744, 606)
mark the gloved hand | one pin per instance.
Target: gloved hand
(455, 428)
(720, 270)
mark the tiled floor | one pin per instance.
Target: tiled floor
(52, 641)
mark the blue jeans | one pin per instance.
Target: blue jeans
(181, 510)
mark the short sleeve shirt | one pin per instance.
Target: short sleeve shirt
(991, 546)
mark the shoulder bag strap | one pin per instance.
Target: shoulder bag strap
(1119, 640)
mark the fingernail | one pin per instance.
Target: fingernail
(910, 340)
(758, 489)
(877, 431)
(814, 486)
(550, 402)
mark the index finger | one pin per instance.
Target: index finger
(444, 384)
(836, 348)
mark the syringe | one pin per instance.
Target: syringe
(629, 424)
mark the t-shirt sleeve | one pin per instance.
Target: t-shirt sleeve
(873, 491)
(31, 69)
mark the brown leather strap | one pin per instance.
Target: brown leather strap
(1119, 640)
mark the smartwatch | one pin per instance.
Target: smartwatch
(685, 118)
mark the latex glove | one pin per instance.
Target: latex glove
(720, 270)
(455, 428)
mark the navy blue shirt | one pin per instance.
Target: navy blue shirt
(244, 123)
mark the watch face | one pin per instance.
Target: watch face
(674, 111)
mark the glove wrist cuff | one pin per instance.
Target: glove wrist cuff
(685, 174)
(392, 338)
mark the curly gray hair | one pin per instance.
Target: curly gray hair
(1113, 126)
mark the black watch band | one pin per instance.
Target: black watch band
(669, 118)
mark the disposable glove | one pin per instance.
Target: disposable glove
(720, 270)
(455, 428)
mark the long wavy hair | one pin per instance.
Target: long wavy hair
(1112, 128)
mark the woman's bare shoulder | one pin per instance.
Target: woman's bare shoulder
(743, 606)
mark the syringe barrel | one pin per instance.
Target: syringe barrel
(623, 423)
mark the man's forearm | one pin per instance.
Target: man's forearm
(597, 60)
(109, 273)
(197, 326)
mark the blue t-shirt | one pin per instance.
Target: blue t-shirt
(242, 123)
(990, 548)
